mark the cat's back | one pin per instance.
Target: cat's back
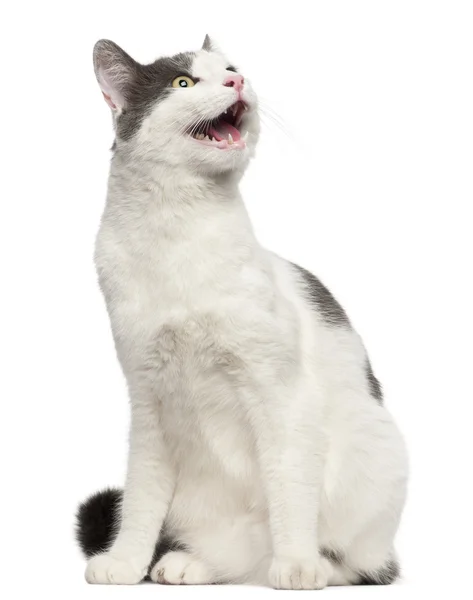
(333, 349)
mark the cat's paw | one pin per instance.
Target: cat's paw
(104, 568)
(180, 568)
(291, 574)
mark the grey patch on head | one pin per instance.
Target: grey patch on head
(152, 85)
(385, 575)
(207, 45)
(323, 300)
(334, 556)
(142, 86)
(376, 389)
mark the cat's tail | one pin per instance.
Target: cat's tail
(97, 521)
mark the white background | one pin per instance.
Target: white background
(367, 181)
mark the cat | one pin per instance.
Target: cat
(260, 450)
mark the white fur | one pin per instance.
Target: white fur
(254, 437)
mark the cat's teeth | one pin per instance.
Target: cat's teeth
(245, 137)
(206, 138)
(200, 136)
(226, 112)
(230, 139)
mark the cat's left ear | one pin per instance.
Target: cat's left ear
(207, 45)
(116, 72)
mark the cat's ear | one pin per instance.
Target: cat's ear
(115, 71)
(207, 45)
(211, 46)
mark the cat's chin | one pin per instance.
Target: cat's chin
(185, 152)
(218, 157)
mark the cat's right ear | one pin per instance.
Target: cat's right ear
(115, 71)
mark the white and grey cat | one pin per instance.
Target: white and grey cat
(260, 450)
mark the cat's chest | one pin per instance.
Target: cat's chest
(203, 294)
(193, 317)
(201, 412)
(145, 273)
(182, 310)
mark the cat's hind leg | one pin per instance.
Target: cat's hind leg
(360, 568)
(371, 556)
(181, 568)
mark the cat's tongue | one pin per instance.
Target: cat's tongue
(221, 131)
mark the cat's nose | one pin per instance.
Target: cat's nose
(235, 81)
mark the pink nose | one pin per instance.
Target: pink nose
(235, 81)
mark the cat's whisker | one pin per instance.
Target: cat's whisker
(270, 123)
(268, 113)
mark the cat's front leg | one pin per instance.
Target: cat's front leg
(148, 489)
(288, 423)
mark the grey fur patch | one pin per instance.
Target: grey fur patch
(383, 576)
(328, 307)
(334, 556)
(152, 84)
(142, 86)
(376, 389)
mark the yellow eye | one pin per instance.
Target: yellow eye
(182, 82)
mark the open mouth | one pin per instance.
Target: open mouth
(224, 131)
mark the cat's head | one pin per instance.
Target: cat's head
(193, 109)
